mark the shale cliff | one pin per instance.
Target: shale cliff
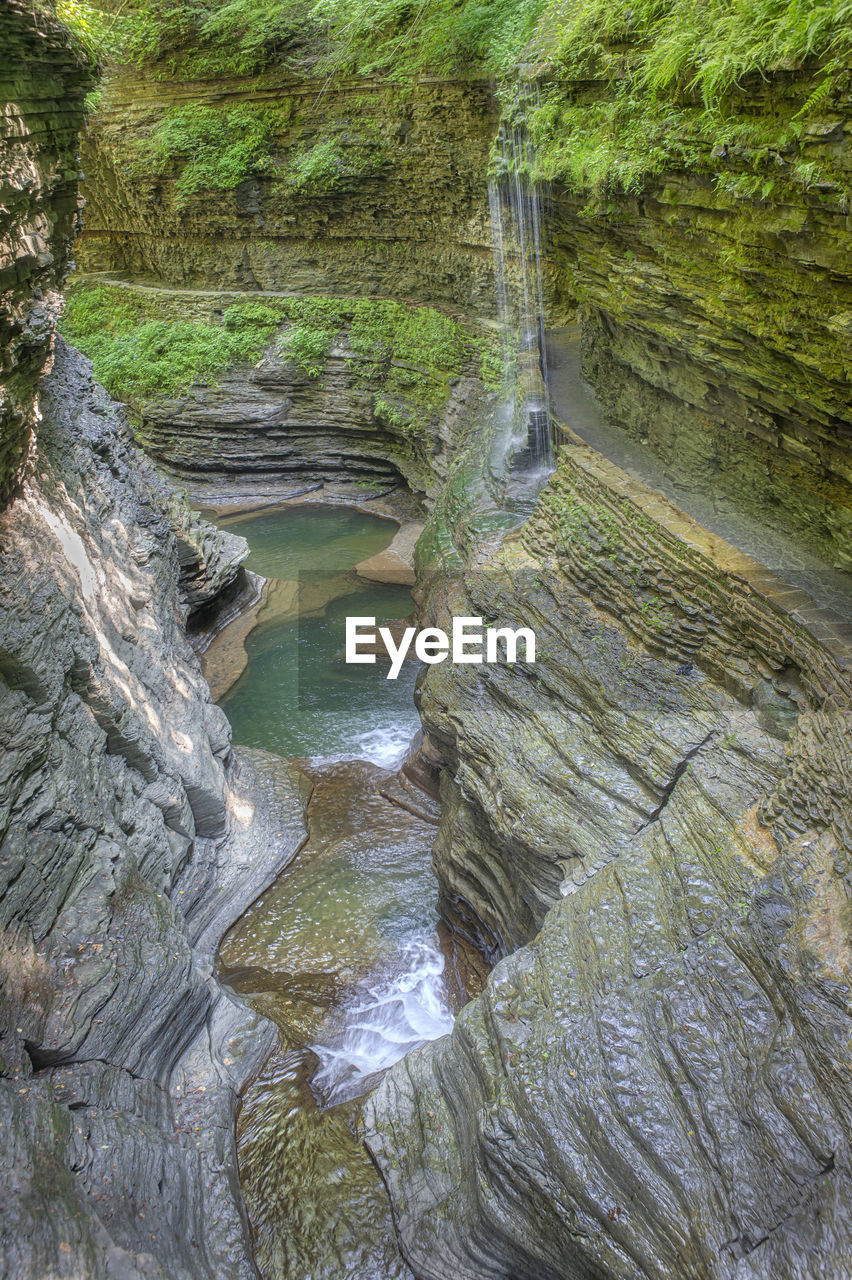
(646, 832)
(127, 850)
(130, 835)
(717, 321)
(657, 1083)
(43, 82)
(362, 188)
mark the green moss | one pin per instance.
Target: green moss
(137, 354)
(213, 149)
(411, 355)
(142, 345)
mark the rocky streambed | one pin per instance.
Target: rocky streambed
(342, 951)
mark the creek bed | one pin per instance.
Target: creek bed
(342, 950)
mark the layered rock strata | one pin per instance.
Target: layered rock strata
(271, 425)
(655, 1081)
(42, 83)
(717, 322)
(130, 840)
(409, 219)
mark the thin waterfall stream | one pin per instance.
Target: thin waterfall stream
(342, 951)
(515, 205)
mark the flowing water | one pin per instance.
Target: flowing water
(517, 241)
(341, 951)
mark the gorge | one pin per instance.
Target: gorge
(535, 313)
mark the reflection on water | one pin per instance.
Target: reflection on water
(297, 697)
(341, 951)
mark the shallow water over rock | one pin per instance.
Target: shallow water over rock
(297, 696)
(341, 952)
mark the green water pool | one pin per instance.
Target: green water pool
(297, 697)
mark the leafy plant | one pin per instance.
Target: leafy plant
(214, 149)
(137, 355)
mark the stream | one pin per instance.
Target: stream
(341, 952)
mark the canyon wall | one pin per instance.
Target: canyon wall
(716, 293)
(403, 213)
(650, 825)
(43, 82)
(131, 836)
(131, 840)
(647, 830)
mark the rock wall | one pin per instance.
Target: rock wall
(129, 840)
(412, 224)
(42, 84)
(718, 323)
(716, 319)
(656, 1084)
(272, 423)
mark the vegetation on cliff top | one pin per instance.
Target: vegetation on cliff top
(675, 76)
(680, 45)
(406, 356)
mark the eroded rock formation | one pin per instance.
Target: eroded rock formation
(130, 835)
(130, 841)
(657, 1083)
(42, 83)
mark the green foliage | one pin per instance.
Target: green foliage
(406, 356)
(98, 32)
(411, 355)
(209, 38)
(263, 317)
(251, 34)
(217, 149)
(321, 167)
(136, 355)
(675, 46)
(403, 38)
(316, 323)
(674, 71)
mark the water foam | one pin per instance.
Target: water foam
(386, 746)
(384, 1021)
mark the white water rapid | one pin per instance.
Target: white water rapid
(383, 1020)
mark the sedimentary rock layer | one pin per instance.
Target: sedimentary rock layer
(717, 324)
(129, 840)
(42, 83)
(412, 224)
(657, 1084)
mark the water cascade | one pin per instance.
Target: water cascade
(517, 239)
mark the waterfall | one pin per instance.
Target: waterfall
(517, 241)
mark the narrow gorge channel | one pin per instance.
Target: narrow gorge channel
(342, 951)
(526, 317)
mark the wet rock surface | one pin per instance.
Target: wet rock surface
(655, 1081)
(327, 927)
(131, 839)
